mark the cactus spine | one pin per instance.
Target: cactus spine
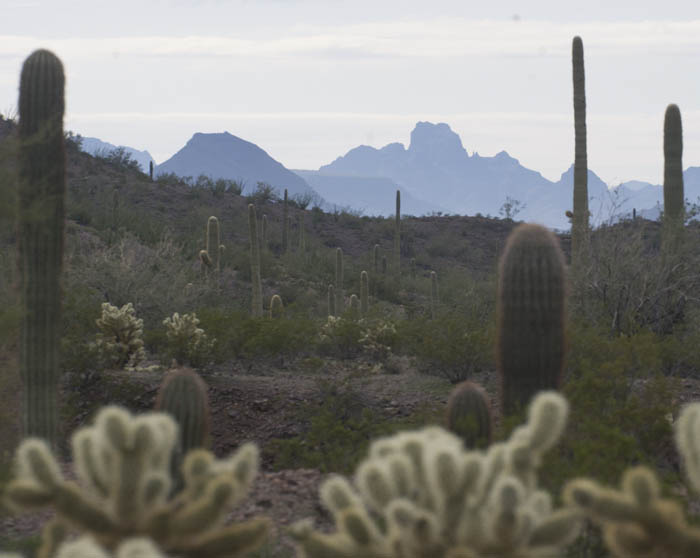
(579, 225)
(183, 395)
(364, 293)
(674, 208)
(331, 300)
(40, 229)
(255, 263)
(276, 306)
(434, 295)
(397, 238)
(531, 310)
(285, 225)
(339, 299)
(469, 415)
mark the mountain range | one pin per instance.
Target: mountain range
(95, 146)
(434, 174)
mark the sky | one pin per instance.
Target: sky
(308, 80)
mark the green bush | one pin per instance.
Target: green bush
(340, 337)
(451, 346)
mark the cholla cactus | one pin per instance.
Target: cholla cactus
(187, 343)
(376, 338)
(328, 329)
(122, 464)
(85, 547)
(419, 494)
(119, 343)
(636, 520)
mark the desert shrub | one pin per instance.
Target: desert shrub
(284, 336)
(451, 346)
(340, 337)
(119, 343)
(339, 430)
(264, 193)
(187, 343)
(621, 408)
(80, 306)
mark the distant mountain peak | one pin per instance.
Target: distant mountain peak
(436, 140)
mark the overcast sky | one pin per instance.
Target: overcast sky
(307, 80)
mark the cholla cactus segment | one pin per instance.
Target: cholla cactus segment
(187, 342)
(420, 494)
(122, 463)
(376, 338)
(119, 342)
(636, 520)
(85, 547)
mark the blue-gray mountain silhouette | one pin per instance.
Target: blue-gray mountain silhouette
(436, 169)
(95, 146)
(227, 156)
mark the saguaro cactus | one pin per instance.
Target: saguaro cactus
(40, 228)
(364, 293)
(285, 224)
(354, 305)
(531, 310)
(674, 204)
(339, 279)
(183, 395)
(434, 295)
(579, 225)
(469, 415)
(257, 310)
(150, 170)
(276, 306)
(397, 238)
(375, 259)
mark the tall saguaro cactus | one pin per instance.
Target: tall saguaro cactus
(397, 238)
(40, 228)
(579, 225)
(674, 204)
(531, 310)
(257, 310)
(375, 259)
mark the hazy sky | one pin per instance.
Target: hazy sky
(307, 80)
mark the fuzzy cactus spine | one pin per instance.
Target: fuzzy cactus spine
(469, 416)
(674, 204)
(257, 310)
(40, 237)
(579, 225)
(531, 313)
